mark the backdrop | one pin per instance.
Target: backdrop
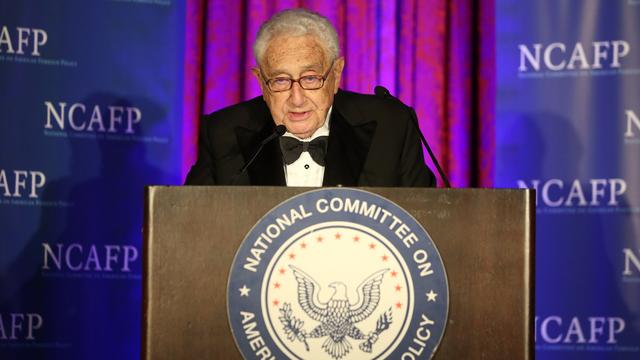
(91, 102)
(567, 125)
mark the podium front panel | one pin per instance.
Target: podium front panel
(484, 237)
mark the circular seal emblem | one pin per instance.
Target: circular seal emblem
(337, 274)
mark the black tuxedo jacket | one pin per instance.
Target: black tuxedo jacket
(372, 142)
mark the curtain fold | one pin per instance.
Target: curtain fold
(436, 55)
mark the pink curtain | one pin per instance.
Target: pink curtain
(436, 55)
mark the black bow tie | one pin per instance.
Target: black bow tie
(292, 148)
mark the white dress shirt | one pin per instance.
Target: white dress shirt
(305, 171)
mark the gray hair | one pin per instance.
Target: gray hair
(297, 22)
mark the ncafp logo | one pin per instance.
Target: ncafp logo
(92, 118)
(631, 268)
(20, 326)
(79, 257)
(21, 183)
(632, 128)
(560, 56)
(593, 330)
(337, 274)
(90, 260)
(593, 195)
(21, 40)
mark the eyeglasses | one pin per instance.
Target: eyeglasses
(308, 82)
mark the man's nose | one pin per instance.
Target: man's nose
(297, 97)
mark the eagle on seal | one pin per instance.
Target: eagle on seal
(338, 316)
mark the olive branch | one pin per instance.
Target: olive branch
(292, 326)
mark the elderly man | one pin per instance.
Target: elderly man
(333, 137)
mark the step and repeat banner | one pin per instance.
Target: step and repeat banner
(90, 112)
(567, 124)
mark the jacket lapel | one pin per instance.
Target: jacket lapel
(267, 168)
(347, 148)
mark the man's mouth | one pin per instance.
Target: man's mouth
(298, 115)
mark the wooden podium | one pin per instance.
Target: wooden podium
(485, 239)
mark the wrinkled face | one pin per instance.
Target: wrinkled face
(301, 111)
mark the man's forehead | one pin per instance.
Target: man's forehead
(294, 69)
(288, 53)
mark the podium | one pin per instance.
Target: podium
(485, 238)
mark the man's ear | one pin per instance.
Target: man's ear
(337, 72)
(256, 73)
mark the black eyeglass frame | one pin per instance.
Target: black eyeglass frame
(323, 78)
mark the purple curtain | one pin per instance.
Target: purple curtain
(437, 56)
